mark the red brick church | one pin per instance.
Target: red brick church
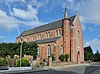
(59, 37)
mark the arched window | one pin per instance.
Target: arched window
(56, 32)
(78, 38)
(49, 50)
(61, 50)
(37, 36)
(38, 49)
(32, 37)
(48, 34)
(59, 32)
(78, 31)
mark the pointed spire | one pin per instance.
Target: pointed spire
(65, 14)
(76, 13)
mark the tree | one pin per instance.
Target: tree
(96, 56)
(31, 49)
(88, 53)
(7, 49)
(14, 48)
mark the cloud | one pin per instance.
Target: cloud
(7, 22)
(29, 18)
(95, 43)
(12, 1)
(89, 11)
(30, 14)
(15, 16)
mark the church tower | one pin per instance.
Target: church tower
(66, 33)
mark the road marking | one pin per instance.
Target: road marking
(96, 65)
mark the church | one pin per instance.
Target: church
(59, 37)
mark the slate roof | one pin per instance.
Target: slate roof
(72, 18)
(49, 26)
(48, 40)
(53, 25)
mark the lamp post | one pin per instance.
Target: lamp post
(21, 50)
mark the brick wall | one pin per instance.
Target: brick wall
(77, 43)
(71, 41)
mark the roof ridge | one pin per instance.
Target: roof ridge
(45, 24)
(48, 26)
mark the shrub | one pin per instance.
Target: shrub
(53, 57)
(3, 62)
(9, 61)
(42, 63)
(66, 56)
(24, 63)
(61, 58)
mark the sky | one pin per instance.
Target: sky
(17, 16)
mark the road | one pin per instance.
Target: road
(52, 72)
(93, 68)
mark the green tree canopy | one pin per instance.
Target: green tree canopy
(96, 56)
(88, 53)
(14, 48)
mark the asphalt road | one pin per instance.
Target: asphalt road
(52, 72)
(93, 68)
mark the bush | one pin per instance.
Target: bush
(9, 61)
(3, 62)
(66, 56)
(42, 63)
(53, 57)
(61, 58)
(24, 63)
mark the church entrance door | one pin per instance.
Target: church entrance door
(78, 57)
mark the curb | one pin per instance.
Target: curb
(25, 71)
(70, 66)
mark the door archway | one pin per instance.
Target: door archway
(78, 57)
